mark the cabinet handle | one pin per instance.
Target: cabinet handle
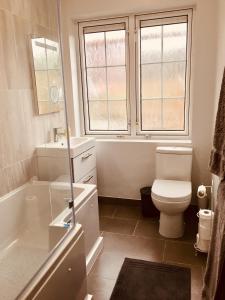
(88, 179)
(86, 156)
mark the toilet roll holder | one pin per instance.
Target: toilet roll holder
(202, 245)
(202, 190)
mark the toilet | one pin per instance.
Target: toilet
(171, 190)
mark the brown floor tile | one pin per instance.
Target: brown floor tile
(106, 210)
(148, 228)
(119, 243)
(182, 252)
(99, 287)
(118, 223)
(123, 226)
(134, 247)
(108, 265)
(127, 212)
(190, 232)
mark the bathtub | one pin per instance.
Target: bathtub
(34, 217)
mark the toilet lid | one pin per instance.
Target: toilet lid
(171, 190)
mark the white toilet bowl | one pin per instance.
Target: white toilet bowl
(171, 198)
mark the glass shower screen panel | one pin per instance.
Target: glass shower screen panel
(34, 159)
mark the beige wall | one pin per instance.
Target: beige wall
(202, 91)
(20, 128)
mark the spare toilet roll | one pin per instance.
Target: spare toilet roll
(206, 217)
(204, 232)
(201, 244)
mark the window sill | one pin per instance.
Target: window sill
(148, 141)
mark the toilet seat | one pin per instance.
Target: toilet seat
(171, 190)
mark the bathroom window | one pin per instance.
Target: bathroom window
(105, 76)
(136, 74)
(163, 68)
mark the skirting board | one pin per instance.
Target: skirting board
(94, 253)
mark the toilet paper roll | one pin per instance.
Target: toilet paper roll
(202, 245)
(204, 232)
(201, 193)
(205, 214)
(206, 217)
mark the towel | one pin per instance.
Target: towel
(215, 261)
(217, 159)
(216, 256)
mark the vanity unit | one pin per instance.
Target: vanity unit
(53, 164)
(53, 167)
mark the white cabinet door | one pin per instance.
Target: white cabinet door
(84, 163)
(68, 278)
(87, 215)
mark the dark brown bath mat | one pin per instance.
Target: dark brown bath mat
(144, 280)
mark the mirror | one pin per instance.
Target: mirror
(47, 75)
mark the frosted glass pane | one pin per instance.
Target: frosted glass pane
(98, 112)
(151, 81)
(116, 78)
(151, 44)
(174, 80)
(96, 81)
(173, 114)
(39, 54)
(174, 42)
(151, 114)
(115, 47)
(42, 85)
(117, 115)
(95, 49)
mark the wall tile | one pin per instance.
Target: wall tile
(5, 4)
(39, 12)
(52, 15)
(12, 126)
(22, 29)
(7, 49)
(4, 185)
(21, 129)
(21, 8)
(19, 173)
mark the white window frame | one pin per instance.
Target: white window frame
(133, 76)
(108, 24)
(165, 18)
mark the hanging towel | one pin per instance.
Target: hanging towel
(217, 160)
(216, 256)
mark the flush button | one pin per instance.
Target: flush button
(69, 269)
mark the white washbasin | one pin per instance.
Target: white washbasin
(60, 149)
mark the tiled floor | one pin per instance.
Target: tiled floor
(127, 234)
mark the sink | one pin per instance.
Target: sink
(60, 149)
